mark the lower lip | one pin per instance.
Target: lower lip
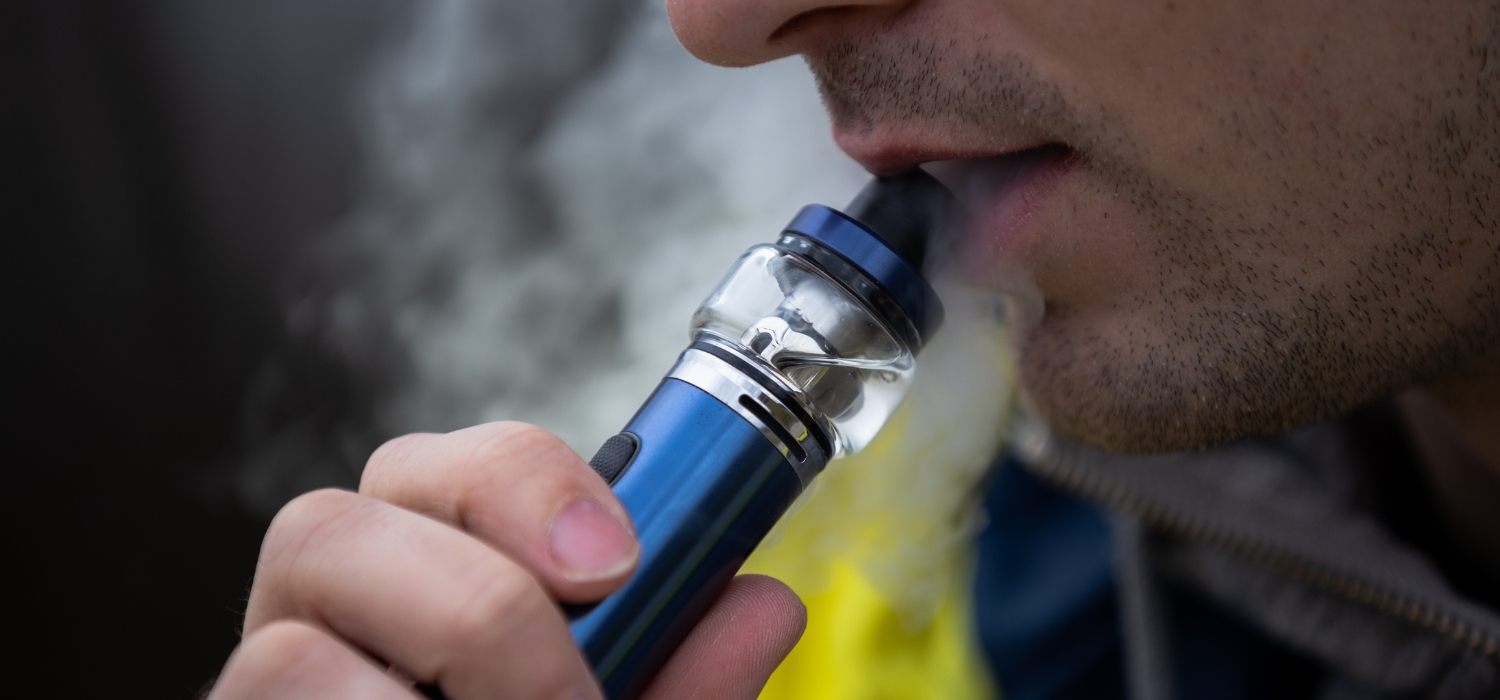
(1002, 194)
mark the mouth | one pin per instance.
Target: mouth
(1002, 195)
(1005, 179)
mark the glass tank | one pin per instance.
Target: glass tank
(849, 368)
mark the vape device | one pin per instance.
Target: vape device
(799, 356)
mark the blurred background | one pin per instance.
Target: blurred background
(249, 240)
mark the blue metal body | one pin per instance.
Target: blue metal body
(703, 489)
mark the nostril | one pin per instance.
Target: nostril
(801, 19)
(790, 25)
(747, 32)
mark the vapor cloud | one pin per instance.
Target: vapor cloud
(551, 189)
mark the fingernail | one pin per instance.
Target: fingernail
(588, 544)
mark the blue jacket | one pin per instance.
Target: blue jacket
(1308, 565)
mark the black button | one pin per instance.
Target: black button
(614, 456)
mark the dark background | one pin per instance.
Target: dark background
(160, 163)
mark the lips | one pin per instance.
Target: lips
(1002, 195)
(1004, 177)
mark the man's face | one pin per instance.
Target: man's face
(1239, 216)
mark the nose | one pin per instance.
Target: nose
(747, 32)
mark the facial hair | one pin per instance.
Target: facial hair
(1237, 341)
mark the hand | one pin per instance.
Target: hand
(447, 567)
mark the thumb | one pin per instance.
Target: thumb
(736, 646)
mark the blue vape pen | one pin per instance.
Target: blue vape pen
(800, 355)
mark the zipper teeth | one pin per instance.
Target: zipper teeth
(1268, 557)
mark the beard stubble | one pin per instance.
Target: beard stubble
(1235, 342)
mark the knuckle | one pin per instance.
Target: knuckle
(509, 439)
(286, 643)
(299, 519)
(515, 616)
(521, 461)
(276, 656)
(388, 459)
(509, 443)
(508, 605)
(308, 510)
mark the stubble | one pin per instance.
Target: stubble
(1241, 331)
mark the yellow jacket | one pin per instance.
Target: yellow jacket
(879, 548)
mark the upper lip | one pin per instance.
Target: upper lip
(887, 149)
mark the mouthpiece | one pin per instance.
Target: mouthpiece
(800, 355)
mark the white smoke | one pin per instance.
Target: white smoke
(668, 169)
(552, 189)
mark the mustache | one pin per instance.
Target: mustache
(892, 77)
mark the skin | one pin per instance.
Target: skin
(1273, 212)
(1282, 210)
(445, 569)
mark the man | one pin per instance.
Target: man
(1238, 219)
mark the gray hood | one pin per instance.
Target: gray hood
(1277, 531)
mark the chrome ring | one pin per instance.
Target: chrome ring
(753, 402)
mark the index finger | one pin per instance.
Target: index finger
(523, 491)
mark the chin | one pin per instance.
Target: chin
(1110, 389)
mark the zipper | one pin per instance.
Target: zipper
(1035, 442)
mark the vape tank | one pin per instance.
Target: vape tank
(799, 356)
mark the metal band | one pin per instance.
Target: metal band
(851, 277)
(784, 391)
(793, 437)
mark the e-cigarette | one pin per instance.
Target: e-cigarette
(799, 356)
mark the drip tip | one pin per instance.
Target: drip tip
(904, 210)
(885, 234)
